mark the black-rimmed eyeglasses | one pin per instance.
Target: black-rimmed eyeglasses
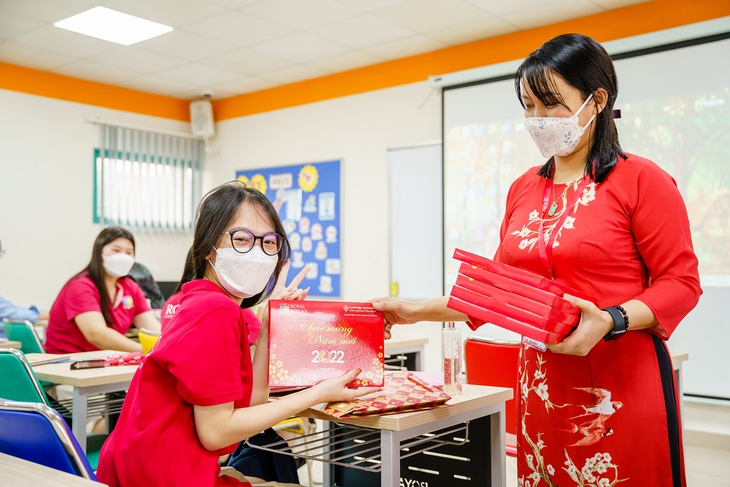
(243, 241)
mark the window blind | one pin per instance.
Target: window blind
(147, 180)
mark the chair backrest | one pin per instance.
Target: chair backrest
(37, 433)
(147, 339)
(23, 332)
(19, 382)
(493, 362)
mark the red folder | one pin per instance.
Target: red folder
(519, 275)
(520, 302)
(500, 320)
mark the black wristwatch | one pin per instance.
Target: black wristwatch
(620, 322)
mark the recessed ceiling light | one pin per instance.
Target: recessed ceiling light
(110, 25)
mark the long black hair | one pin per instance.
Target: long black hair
(586, 66)
(96, 271)
(215, 213)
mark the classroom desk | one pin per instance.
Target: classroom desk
(475, 402)
(22, 473)
(9, 344)
(86, 383)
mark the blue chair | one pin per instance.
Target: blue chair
(37, 433)
(19, 383)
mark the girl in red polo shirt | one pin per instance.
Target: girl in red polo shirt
(99, 304)
(198, 393)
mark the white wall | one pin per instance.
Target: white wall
(46, 190)
(358, 130)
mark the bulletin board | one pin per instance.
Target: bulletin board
(307, 198)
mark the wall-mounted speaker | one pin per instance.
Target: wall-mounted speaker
(201, 118)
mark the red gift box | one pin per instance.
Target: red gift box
(514, 299)
(310, 341)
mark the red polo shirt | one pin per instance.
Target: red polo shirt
(79, 295)
(201, 359)
(173, 303)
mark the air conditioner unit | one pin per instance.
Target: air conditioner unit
(201, 118)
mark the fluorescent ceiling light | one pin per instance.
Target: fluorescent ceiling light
(110, 25)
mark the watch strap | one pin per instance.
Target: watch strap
(620, 324)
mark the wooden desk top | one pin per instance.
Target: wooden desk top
(22, 473)
(8, 344)
(473, 397)
(62, 374)
(678, 357)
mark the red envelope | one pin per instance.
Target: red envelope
(403, 392)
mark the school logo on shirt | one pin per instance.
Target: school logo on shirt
(127, 302)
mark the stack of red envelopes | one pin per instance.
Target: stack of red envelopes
(514, 299)
(403, 392)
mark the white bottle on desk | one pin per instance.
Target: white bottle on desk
(451, 346)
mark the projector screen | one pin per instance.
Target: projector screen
(675, 105)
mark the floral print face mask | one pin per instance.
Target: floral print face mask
(557, 136)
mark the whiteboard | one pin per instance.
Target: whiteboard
(416, 222)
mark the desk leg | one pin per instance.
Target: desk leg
(78, 416)
(390, 458)
(498, 442)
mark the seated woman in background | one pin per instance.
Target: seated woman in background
(198, 388)
(99, 304)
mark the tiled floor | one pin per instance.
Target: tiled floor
(706, 467)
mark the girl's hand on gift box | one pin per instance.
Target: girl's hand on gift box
(292, 291)
(336, 390)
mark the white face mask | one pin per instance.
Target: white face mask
(557, 136)
(118, 265)
(244, 275)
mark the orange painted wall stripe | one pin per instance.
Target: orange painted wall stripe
(629, 21)
(52, 85)
(606, 26)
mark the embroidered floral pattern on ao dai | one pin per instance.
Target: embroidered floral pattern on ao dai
(529, 232)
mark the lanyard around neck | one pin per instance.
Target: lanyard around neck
(545, 249)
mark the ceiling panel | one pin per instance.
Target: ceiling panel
(175, 13)
(302, 14)
(405, 47)
(472, 31)
(46, 10)
(185, 45)
(428, 15)
(364, 30)
(248, 62)
(300, 47)
(13, 25)
(31, 57)
(345, 62)
(239, 29)
(551, 13)
(62, 41)
(239, 46)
